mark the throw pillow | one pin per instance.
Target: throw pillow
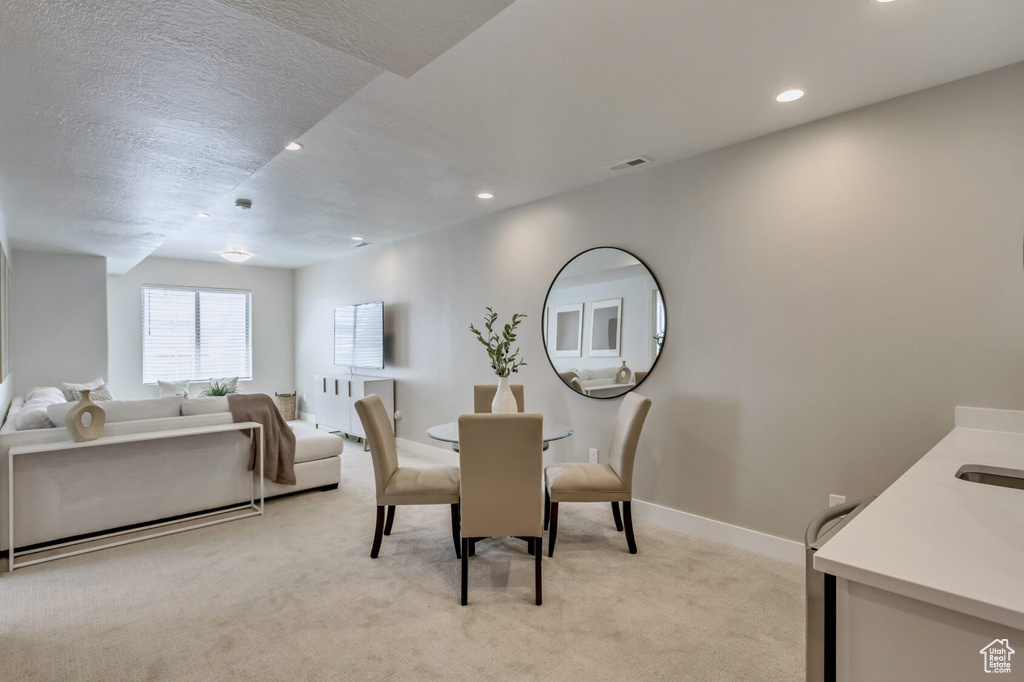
(73, 392)
(96, 394)
(52, 392)
(33, 414)
(170, 389)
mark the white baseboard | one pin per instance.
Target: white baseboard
(720, 531)
(672, 519)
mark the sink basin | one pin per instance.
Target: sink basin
(980, 473)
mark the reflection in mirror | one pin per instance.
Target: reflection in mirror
(604, 322)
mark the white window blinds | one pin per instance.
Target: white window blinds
(195, 334)
(659, 322)
(659, 314)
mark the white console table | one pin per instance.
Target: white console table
(250, 509)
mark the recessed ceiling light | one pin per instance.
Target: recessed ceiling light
(485, 195)
(358, 239)
(236, 256)
(204, 215)
(883, 1)
(293, 146)
(789, 95)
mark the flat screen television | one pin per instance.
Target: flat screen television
(359, 335)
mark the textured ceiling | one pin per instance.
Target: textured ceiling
(122, 120)
(401, 36)
(545, 95)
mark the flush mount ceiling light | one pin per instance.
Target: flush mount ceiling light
(236, 256)
(789, 95)
(358, 239)
(293, 146)
(485, 195)
(204, 215)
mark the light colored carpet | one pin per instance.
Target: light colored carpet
(295, 596)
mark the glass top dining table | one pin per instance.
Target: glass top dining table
(449, 433)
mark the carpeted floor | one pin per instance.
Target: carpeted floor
(295, 596)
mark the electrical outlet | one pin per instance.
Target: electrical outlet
(593, 455)
(836, 500)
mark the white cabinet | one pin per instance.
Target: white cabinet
(335, 398)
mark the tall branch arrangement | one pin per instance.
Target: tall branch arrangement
(504, 360)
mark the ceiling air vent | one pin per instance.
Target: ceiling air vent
(629, 163)
(362, 244)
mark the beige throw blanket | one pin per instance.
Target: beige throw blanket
(278, 437)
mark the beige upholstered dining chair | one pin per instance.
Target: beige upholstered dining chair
(612, 482)
(501, 462)
(398, 485)
(483, 396)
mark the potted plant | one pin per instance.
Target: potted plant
(218, 388)
(504, 360)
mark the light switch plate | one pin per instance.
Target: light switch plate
(593, 455)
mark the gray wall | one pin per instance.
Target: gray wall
(7, 386)
(833, 292)
(272, 320)
(58, 319)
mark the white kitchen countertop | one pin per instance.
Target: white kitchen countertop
(933, 537)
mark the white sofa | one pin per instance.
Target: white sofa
(598, 382)
(67, 494)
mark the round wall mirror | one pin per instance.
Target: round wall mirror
(604, 322)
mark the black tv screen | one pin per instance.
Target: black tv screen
(359, 335)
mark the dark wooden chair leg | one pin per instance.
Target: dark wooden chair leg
(539, 545)
(472, 547)
(618, 519)
(529, 545)
(547, 508)
(553, 530)
(630, 540)
(378, 532)
(465, 571)
(455, 530)
(391, 520)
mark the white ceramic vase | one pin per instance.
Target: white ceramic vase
(504, 400)
(75, 423)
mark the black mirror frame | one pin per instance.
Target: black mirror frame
(543, 326)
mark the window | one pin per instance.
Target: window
(659, 322)
(195, 334)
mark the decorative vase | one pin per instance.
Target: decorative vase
(75, 423)
(504, 400)
(624, 374)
